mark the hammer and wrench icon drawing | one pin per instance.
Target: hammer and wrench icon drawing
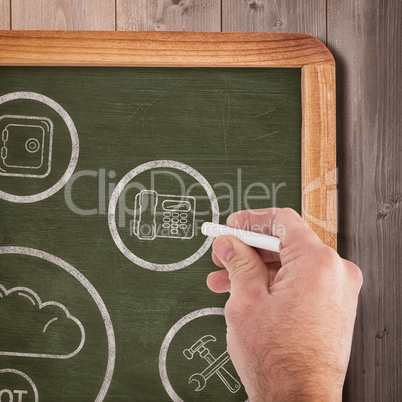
(215, 366)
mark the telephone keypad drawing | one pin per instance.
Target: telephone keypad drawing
(164, 216)
(26, 146)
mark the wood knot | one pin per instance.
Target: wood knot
(253, 5)
(388, 206)
(278, 23)
(382, 333)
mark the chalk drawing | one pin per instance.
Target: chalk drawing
(17, 395)
(26, 146)
(94, 294)
(14, 295)
(74, 144)
(163, 216)
(168, 340)
(112, 214)
(215, 365)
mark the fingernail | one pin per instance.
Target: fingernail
(224, 250)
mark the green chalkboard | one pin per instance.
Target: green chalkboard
(106, 175)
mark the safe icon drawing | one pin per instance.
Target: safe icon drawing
(164, 216)
(26, 146)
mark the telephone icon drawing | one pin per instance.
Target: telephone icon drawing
(163, 216)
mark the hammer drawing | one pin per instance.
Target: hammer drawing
(215, 365)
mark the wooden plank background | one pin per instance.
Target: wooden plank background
(365, 38)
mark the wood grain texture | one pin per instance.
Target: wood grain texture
(5, 14)
(63, 14)
(365, 37)
(168, 15)
(304, 16)
(161, 49)
(319, 200)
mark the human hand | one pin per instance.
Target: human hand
(290, 316)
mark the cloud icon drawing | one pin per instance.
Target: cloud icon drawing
(32, 328)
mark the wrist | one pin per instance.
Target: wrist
(285, 383)
(302, 393)
(308, 394)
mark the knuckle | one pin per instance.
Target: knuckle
(288, 254)
(234, 310)
(351, 272)
(289, 211)
(240, 264)
(329, 264)
(240, 220)
(295, 225)
(242, 305)
(355, 273)
(330, 256)
(304, 226)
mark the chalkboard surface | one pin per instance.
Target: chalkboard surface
(106, 175)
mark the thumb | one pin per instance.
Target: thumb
(246, 269)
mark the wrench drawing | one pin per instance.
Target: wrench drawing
(215, 365)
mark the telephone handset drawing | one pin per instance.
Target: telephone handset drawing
(162, 215)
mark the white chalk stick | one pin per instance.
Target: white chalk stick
(252, 239)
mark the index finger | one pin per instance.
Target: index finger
(284, 223)
(255, 220)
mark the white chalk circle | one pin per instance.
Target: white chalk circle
(24, 199)
(32, 145)
(23, 375)
(168, 339)
(96, 297)
(112, 214)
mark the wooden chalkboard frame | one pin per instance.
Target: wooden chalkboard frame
(215, 49)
